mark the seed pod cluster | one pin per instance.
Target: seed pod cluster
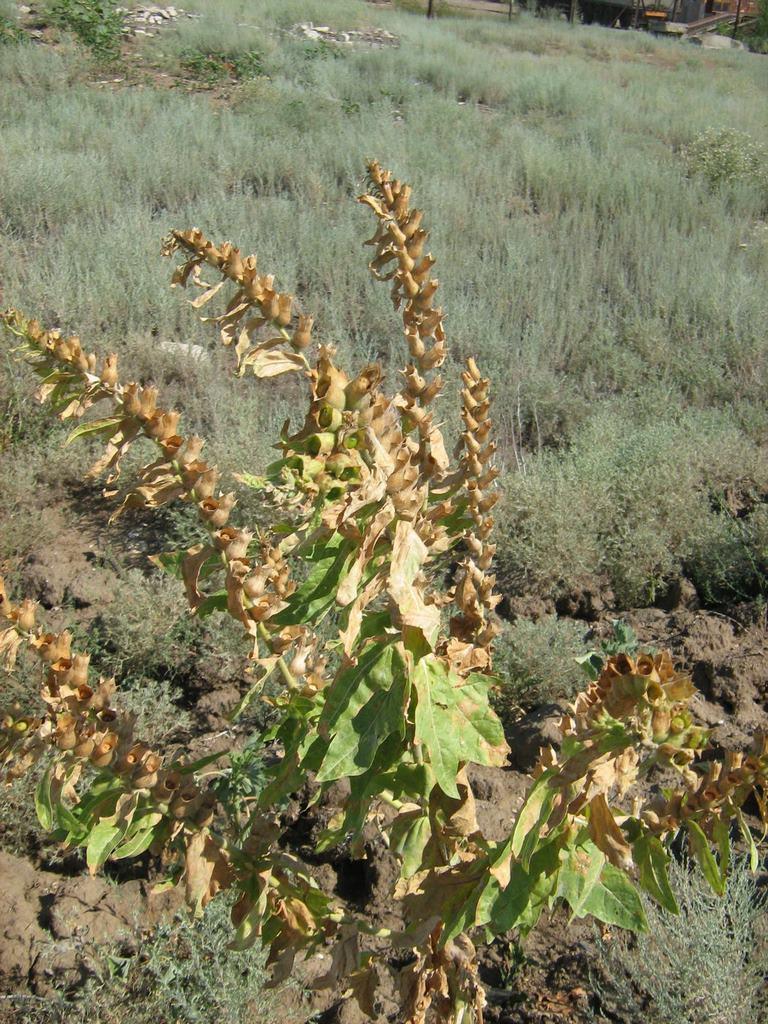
(82, 724)
(651, 697)
(717, 795)
(399, 241)
(179, 473)
(475, 595)
(256, 304)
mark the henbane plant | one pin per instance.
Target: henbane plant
(368, 502)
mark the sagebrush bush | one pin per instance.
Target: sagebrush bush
(667, 491)
(706, 965)
(181, 971)
(536, 661)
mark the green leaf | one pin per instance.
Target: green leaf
(652, 859)
(746, 831)
(105, 426)
(213, 603)
(520, 903)
(317, 594)
(701, 851)
(169, 562)
(454, 722)
(532, 817)
(579, 873)
(364, 789)
(43, 805)
(722, 836)
(614, 900)
(374, 670)
(375, 709)
(409, 841)
(75, 824)
(591, 664)
(102, 841)
(135, 844)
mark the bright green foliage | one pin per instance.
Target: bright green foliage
(98, 24)
(727, 156)
(215, 65)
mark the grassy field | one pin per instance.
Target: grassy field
(616, 296)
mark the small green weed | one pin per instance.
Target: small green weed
(98, 24)
(724, 156)
(322, 50)
(214, 66)
(621, 640)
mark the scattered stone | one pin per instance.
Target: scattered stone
(376, 38)
(137, 20)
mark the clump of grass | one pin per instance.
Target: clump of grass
(537, 662)
(706, 966)
(10, 32)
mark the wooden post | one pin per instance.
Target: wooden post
(738, 17)
(430, 8)
(572, 14)
(510, 10)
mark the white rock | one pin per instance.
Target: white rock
(172, 12)
(713, 41)
(185, 348)
(311, 34)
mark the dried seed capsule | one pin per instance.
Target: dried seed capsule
(303, 333)
(84, 748)
(26, 619)
(285, 303)
(104, 751)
